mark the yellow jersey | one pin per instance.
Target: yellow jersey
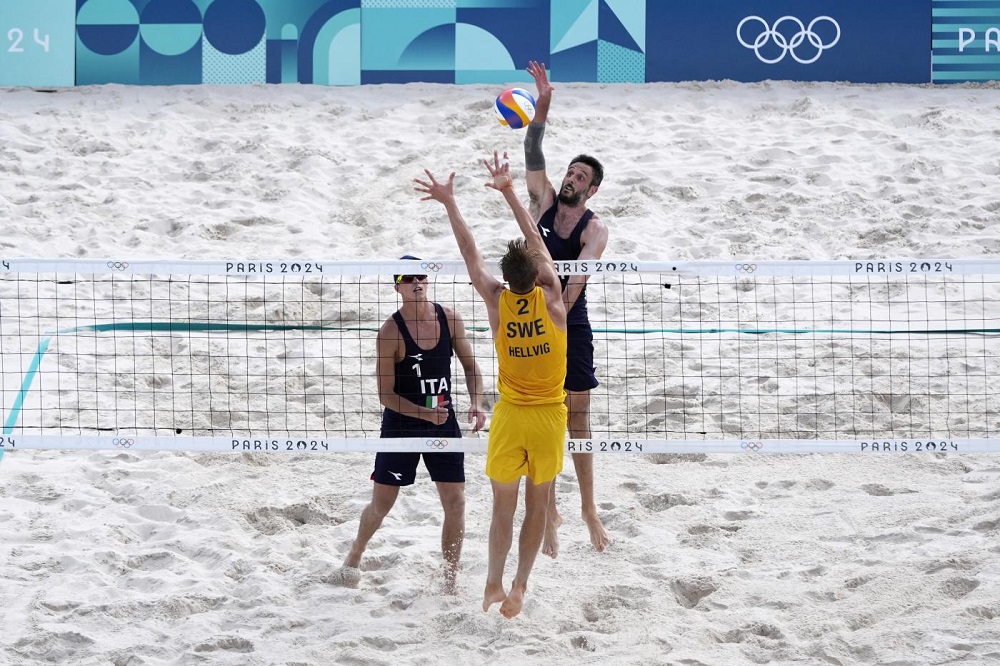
(531, 351)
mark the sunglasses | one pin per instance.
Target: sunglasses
(407, 279)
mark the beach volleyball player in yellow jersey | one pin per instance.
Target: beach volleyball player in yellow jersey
(528, 430)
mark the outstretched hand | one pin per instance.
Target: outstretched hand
(537, 71)
(436, 191)
(500, 172)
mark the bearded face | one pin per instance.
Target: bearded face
(575, 184)
(569, 196)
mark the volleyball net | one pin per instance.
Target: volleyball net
(790, 356)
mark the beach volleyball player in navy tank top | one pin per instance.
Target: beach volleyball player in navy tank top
(571, 231)
(413, 368)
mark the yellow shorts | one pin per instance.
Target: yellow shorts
(526, 440)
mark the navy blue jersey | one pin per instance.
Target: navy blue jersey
(423, 377)
(566, 249)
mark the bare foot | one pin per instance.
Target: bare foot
(598, 535)
(550, 542)
(511, 606)
(450, 582)
(353, 559)
(493, 594)
(345, 577)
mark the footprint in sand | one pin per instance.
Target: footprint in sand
(819, 484)
(751, 633)
(744, 514)
(664, 501)
(983, 612)
(690, 590)
(271, 520)
(957, 563)
(610, 599)
(620, 522)
(351, 576)
(985, 475)
(379, 562)
(675, 458)
(987, 525)
(226, 644)
(581, 642)
(877, 490)
(957, 587)
(856, 582)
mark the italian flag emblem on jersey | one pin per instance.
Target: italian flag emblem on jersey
(434, 401)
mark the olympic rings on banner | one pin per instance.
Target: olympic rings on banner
(122, 442)
(437, 443)
(752, 446)
(787, 45)
(118, 265)
(746, 268)
(431, 266)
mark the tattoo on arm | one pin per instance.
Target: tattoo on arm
(534, 159)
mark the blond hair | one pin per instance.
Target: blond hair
(520, 266)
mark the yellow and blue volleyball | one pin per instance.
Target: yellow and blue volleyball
(515, 108)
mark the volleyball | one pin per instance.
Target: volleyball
(515, 108)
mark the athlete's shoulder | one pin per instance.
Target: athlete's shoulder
(451, 315)
(389, 328)
(596, 229)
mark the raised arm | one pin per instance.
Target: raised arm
(547, 278)
(541, 194)
(484, 282)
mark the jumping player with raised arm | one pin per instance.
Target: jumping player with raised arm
(571, 231)
(528, 431)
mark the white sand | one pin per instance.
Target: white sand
(162, 558)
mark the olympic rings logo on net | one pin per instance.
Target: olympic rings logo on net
(752, 446)
(118, 265)
(433, 266)
(786, 44)
(122, 442)
(746, 268)
(437, 444)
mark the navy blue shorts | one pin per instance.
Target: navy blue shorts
(580, 358)
(400, 468)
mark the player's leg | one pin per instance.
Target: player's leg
(392, 470)
(383, 499)
(578, 404)
(447, 470)
(501, 536)
(545, 427)
(536, 500)
(553, 521)
(453, 529)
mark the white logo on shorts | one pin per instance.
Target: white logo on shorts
(398, 475)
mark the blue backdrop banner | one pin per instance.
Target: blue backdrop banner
(868, 41)
(966, 40)
(37, 43)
